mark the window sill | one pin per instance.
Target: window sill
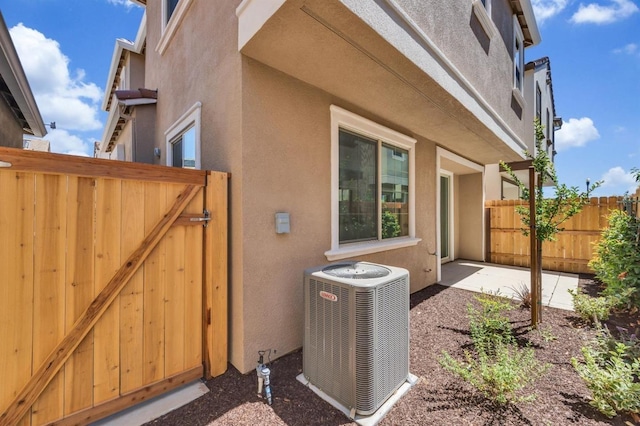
(482, 15)
(359, 249)
(518, 95)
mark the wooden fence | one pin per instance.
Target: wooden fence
(111, 289)
(573, 248)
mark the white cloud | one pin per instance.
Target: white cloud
(65, 143)
(68, 100)
(576, 132)
(126, 3)
(545, 9)
(594, 13)
(618, 178)
(629, 49)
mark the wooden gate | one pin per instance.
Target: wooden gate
(112, 290)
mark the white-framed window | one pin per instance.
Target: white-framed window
(518, 61)
(173, 12)
(183, 140)
(372, 187)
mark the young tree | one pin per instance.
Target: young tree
(550, 213)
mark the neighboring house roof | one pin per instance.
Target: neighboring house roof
(546, 63)
(118, 59)
(14, 87)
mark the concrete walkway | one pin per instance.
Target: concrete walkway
(489, 277)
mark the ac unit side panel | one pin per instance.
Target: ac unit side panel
(326, 356)
(365, 351)
(392, 323)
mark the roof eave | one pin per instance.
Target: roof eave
(16, 80)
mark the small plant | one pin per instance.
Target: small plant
(499, 368)
(611, 376)
(546, 334)
(522, 294)
(489, 326)
(499, 376)
(592, 309)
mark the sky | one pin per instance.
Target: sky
(66, 48)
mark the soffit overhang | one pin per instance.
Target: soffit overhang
(325, 44)
(14, 87)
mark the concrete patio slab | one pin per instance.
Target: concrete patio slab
(489, 277)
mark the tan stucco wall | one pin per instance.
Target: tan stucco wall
(10, 131)
(471, 220)
(286, 167)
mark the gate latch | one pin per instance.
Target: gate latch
(206, 218)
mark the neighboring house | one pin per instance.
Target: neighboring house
(538, 95)
(345, 114)
(129, 133)
(31, 144)
(19, 114)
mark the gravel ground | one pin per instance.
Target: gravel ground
(438, 323)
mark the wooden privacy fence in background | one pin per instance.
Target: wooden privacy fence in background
(573, 248)
(111, 289)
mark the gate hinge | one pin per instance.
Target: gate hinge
(206, 218)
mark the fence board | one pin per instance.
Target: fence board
(106, 361)
(572, 249)
(16, 263)
(48, 298)
(155, 202)
(131, 298)
(78, 369)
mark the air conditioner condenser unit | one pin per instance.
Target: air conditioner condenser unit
(356, 337)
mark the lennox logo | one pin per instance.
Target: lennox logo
(329, 296)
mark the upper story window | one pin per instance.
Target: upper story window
(518, 56)
(170, 6)
(373, 189)
(183, 140)
(538, 102)
(173, 12)
(482, 11)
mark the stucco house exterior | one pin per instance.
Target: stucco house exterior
(538, 93)
(348, 115)
(19, 113)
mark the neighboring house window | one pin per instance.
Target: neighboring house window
(374, 191)
(510, 190)
(183, 140)
(518, 56)
(538, 102)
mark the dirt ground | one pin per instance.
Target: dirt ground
(438, 323)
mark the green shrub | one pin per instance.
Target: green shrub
(612, 378)
(500, 376)
(498, 368)
(592, 309)
(616, 259)
(488, 325)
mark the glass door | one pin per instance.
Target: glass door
(445, 218)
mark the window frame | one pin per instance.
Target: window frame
(171, 23)
(190, 119)
(343, 119)
(518, 63)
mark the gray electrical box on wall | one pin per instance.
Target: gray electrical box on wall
(282, 223)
